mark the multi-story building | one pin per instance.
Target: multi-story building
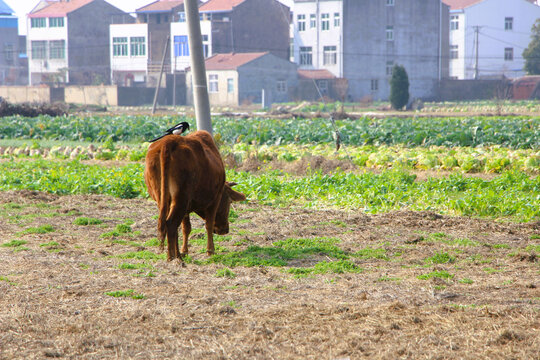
(9, 46)
(487, 37)
(361, 40)
(137, 49)
(68, 41)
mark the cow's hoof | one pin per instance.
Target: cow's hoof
(210, 253)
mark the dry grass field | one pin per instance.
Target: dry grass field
(422, 285)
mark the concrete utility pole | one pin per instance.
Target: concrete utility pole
(198, 71)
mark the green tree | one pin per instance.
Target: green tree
(532, 53)
(399, 87)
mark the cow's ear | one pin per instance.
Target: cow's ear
(233, 194)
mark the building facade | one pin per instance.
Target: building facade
(68, 41)
(11, 60)
(248, 26)
(361, 40)
(487, 37)
(235, 79)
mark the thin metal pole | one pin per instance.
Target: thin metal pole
(174, 82)
(156, 94)
(198, 71)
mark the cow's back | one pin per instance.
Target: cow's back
(192, 166)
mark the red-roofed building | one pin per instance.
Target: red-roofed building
(68, 41)
(487, 37)
(235, 79)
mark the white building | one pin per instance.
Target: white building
(67, 41)
(179, 43)
(318, 35)
(362, 40)
(129, 53)
(487, 37)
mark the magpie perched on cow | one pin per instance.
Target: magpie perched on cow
(175, 130)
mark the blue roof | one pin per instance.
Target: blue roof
(5, 9)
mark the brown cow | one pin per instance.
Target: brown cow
(185, 174)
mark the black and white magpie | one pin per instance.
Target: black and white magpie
(175, 130)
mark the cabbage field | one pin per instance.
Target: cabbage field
(368, 237)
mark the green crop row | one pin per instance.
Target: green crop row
(492, 159)
(514, 194)
(513, 131)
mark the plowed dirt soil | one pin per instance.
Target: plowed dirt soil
(54, 285)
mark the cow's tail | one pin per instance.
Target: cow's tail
(165, 196)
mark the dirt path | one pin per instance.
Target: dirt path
(53, 284)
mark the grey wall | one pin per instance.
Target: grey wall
(88, 42)
(263, 73)
(253, 26)
(418, 27)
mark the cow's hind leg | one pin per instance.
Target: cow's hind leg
(176, 214)
(186, 230)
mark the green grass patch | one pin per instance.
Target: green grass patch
(130, 293)
(533, 248)
(385, 278)
(152, 242)
(325, 267)
(119, 230)
(142, 255)
(87, 221)
(440, 258)
(465, 281)
(14, 243)
(43, 229)
(6, 279)
(226, 273)
(445, 275)
(371, 253)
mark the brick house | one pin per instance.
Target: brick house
(68, 41)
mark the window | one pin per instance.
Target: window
(312, 21)
(181, 17)
(323, 86)
(9, 54)
(281, 86)
(230, 85)
(138, 45)
(325, 21)
(38, 22)
(329, 55)
(56, 22)
(301, 22)
(120, 46)
(181, 45)
(454, 22)
(389, 33)
(337, 20)
(213, 83)
(454, 52)
(39, 49)
(166, 18)
(389, 67)
(306, 57)
(291, 49)
(205, 45)
(374, 84)
(158, 18)
(389, 2)
(57, 49)
(508, 54)
(509, 23)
